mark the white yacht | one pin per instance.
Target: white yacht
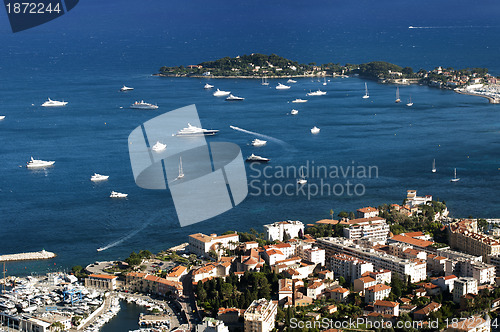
(291, 81)
(302, 180)
(181, 172)
(54, 103)
(208, 86)
(158, 147)
(2, 117)
(126, 88)
(258, 142)
(316, 93)
(366, 96)
(143, 106)
(315, 130)
(258, 159)
(191, 130)
(298, 100)
(282, 87)
(98, 177)
(434, 166)
(455, 179)
(294, 112)
(115, 194)
(220, 93)
(36, 163)
(264, 81)
(234, 98)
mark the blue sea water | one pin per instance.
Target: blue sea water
(85, 56)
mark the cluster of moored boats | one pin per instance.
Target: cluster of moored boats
(105, 317)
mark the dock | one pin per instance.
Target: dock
(27, 256)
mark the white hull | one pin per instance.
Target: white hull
(115, 194)
(99, 177)
(208, 86)
(54, 103)
(220, 93)
(299, 101)
(258, 142)
(294, 112)
(126, 88)
(2, 117)
(34, 163)
(315, 130)
(282, 87)
(143, 106)
(159, 147)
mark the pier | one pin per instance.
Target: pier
(27, 256)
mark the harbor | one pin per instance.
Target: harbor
(28, 256)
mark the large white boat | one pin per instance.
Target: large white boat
(291, 81)
(191, 130)
(282, 87)
(258, 142)
(98, 177)
(234, 98)
(2, 117)
(115, 194)
(126, 88)
(315, 130)
(298, 100)
(294, 112)
(220, 93)
(316, 93)
(455, 179)
(208, 86)
(158, 147)
(36, 163)
(143, 106)
(54, 103)
(258, 159)
(366, 96)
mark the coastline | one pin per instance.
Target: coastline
(28, 256)
(239, 76)
(491, 99)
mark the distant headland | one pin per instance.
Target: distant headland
(472, 81)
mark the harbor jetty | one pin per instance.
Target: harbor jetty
(27, 256)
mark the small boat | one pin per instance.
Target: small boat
(191, 130)
(366, 96)
(98, 177)
(208, 86)
(126, 88)
(234, 98)
(316, 93)
(54, 103)
(181, 172)
(220, 93)
(302, 180)
(258, 159)
(410, 103)
(291, 81)
(2, 117)
(282, 87)
(298, 100)
(294, 112)
(101, 249)
(434, 166)
(143, 106)
(455, 179)
(315, 130)
(264, 81)
(158, 147)
(115, 194)
(258, 142)
(398, 100)
(36, 163)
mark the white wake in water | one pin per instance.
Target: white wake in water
(126, 237)
(269, 138)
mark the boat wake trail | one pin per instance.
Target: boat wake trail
(125, 238)
(269, 138)
(449, 27)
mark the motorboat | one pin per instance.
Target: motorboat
(282, 87)
(220, 93)
(298, 100)
(115, 194)
(291, 81)
(316, 93)
(143, 106)
(191, 130)
(208, 86)
(294, 112)
(258, 159)
(315, 130)
(98, 177)
(2, 117)
(54, 103)
(158, 147)
(258, 142)
(36, 163)
(234, 98)
(126, 88)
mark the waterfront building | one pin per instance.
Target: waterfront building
(101, 281)
(177, 273)
(260, 316)
(463, 286)
(413, 200)
(211, 270)
(367, 228)
(465, 238)
(284, 230)
(147, 283)
(367, 212)
(201, 244)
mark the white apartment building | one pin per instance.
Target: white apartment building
(413, 200)
(367, 212)
(201, 244)
(366, 228)
(260, 316)
(349, 267)
(315, 289)
(210, 324)
(278, 231)
(377, 293)
(462, 286)
(315, 255)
